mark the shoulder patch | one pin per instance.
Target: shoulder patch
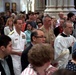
(11, 32)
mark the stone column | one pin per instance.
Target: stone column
(47, 3)
(65, 5)
(33, 5)
(39, 5)
(71, 5)
(23, 5)
(51, 4)
(50, 7)
(59, 5)
(53, 7)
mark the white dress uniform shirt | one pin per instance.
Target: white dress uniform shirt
(18, 43)
(61, 46)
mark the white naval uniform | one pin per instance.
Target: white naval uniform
(18, 43)
(61, 45)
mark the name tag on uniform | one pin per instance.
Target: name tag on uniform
(23, 36)
(16, 39)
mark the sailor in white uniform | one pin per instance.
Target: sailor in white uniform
(18, 45)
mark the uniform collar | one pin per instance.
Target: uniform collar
(16, 31)
(64, 35)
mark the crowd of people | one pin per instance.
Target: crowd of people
(34, 44)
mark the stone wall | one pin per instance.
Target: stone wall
(2, 6)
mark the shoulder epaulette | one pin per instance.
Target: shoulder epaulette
(11, 32)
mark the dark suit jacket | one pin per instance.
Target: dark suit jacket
(24, 57)
(10, 65)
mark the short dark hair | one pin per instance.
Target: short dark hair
(70, 14)
(39, 22)
(35, 33)
(17, 18)
(30, 13)
(4, 40)
(46, 17)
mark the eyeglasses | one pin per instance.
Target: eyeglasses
(40, 36)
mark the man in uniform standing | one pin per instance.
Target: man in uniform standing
(18, 45)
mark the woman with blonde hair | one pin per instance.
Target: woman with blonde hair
(9, 26)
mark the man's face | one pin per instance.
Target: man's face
(61, 22)
(48, 21)
(19, 24)
(61, 15)
(73, 18)
(31, 16)
(40, 38)
(8, 49)
(69, 29)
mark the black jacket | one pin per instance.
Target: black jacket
(24, 57)
(10, 65)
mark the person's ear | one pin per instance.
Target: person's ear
(2, 48)
(34, 38)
